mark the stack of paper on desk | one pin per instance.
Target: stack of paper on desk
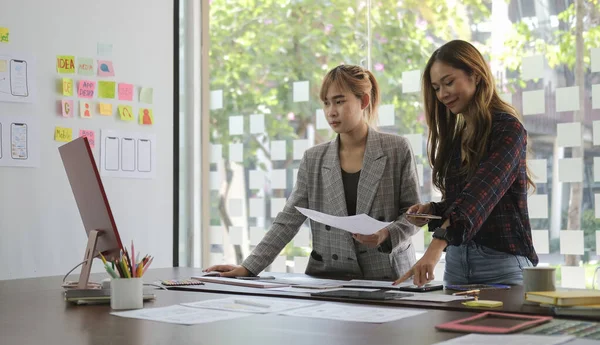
(238, 282)
(358, 224)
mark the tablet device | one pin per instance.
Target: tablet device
(494, 323)
(468, 287)
(424, 288)
(354, 294)
(423, 215)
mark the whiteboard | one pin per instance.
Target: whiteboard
(41, 232)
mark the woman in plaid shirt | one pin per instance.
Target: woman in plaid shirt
(477, 149)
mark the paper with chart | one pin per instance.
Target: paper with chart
(17, 78)
(180, 315)
(250, 304)
(358, 224)
(19, 141)
(127, 154)
(503, 339)
(343, 312)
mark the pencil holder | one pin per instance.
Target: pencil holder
(126, 293)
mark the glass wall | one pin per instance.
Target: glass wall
(267, 59)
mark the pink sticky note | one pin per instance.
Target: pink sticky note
(125, 92)
(67, 108)
(86, 89)
(105, 68)
(90, 135)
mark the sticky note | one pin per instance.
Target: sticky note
(146, 95)
(125, 112)
(3, 64)
(145, 116)
(257, 207)
(320, 120)
(299, 147)
(416, 142)
(216, 99)
(256, 235)
(86, 88)
(386, 115)
(411, 81)
(596, 169)
(277, 205)
(506, 97)
(278, 265)
(257, 124)
(538, 169)
(278, 150)
(300, 263)
(420, 170)
(105, 68)
(418, 241)
(65, 64)
(235, 235)
(302, 238)
(236, 152)
(4, 35)
(567, 98)
(595, 60)
(67, 87)
(85, 109)
(215, 180)
(570, 170)
(278, 179)
(256, 179)
(571, 242)
(541, 241)
(125, 92)
(85, 66)
(534, 102)
(572, 277)
(216, 234)
(105, 109)
(596, 96)
(106, 89)
(236, 208)
(104, 49)
(597, 205)
(67, 108)
(236, 125)
(90, 135)
(216, 153)
(300, 91)
(63, 134)
(532, 67)
(568, 134)
(538, 206)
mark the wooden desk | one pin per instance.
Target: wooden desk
(32, 311)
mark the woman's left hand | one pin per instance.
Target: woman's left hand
(373, 241)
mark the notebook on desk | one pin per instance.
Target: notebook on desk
(564, 298)
(239, 282)
(96, 296)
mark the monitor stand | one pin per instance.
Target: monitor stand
(90, 249)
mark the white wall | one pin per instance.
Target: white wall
(41, 231)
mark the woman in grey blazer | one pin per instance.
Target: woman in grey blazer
(360, 171)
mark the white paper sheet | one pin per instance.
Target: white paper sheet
(320, 119)
(216, 153)
(180, 315)
(571, 242)
(216, 234)
(416, 142)
(386, 115)
(597, 205)
(596, 132)
(568, 134)
(305, 290)
(538, 206)
(596, 169)
(257, 124)
(598, 248)
(567, 98)
(17, 78)
(596, 96)
(570, 170)
(277, 205)
(278, 150)
(257, 207)
(236, 125)
(359, 224)
(430, 297)
(235, 207)
(278, 179)
(532, 67)
(411, 81)
(256, 235)
(299, 147)
(534, 102)
(216, 99)
(300, 91)
(128, 154)
(242, 304)
(503, 339)
(236, 152)
(572, 277)
(541, 241)
(595, 57)
(539, 170)
(256, 179)
(344, 312)
(216, 179)
(20, 141)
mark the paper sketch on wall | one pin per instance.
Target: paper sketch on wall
(19, 141)
(131, 155)
(16, 79)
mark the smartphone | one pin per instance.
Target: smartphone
(18, 141)
(424, 288)
(111, 156)
(18, 78)
(127, 154)
(144, 155)
(423, 215)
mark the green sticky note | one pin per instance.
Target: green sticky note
(146, 95)
(4, 33)
(85, 66)
(65, 64)
(126, 112)
(67, 88)
(106, 89)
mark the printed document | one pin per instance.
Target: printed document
(250, 304)
(502, 339)
(343, 312)
(358, 224)
(180, 315)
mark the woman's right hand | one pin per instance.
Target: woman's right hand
(419, 208)
(229, 270)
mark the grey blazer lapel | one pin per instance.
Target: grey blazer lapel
(373, 167)
(332, 176)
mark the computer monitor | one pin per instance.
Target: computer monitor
(98, 221)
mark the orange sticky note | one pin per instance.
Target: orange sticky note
(85, 109)
(126, 112)
(105, 109)
(145, 117)
(63, 134)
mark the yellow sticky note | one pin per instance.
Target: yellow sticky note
(126, 112)
(483, 303)
(145, 117)
(106, 89)
(3, 64)
(105, 109)
(4, 32)
(65, 64)
(67, 87)
(63, 134)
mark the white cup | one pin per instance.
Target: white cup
(539, 278)
(126, 293)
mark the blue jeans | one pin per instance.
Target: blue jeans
(475, 264)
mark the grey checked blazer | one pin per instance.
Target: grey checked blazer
(387, 187)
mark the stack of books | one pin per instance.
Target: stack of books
(568, 302)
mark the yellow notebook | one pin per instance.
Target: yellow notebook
(564, 298)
